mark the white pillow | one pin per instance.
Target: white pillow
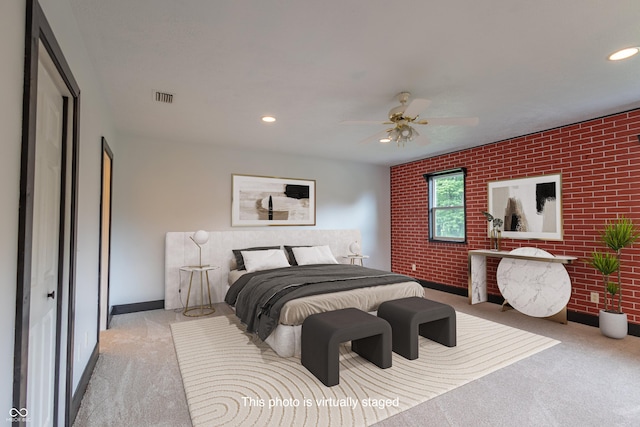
(314, 255)
(264, 260)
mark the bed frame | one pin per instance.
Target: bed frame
(180, 251)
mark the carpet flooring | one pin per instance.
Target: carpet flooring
(232, 379)
(586, 380)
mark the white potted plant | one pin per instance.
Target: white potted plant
(616, 235)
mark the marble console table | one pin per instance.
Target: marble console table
(531, 280)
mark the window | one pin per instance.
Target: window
(447, 216)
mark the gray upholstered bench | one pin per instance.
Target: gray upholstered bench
(322, 334)
(413, 316)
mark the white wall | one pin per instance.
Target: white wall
(95, 121)
(162, 186)
(12, 17)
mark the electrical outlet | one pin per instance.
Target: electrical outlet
(413, 267)
(595, 297)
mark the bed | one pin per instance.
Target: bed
(272, 301)
(285, 336)
(180, 251)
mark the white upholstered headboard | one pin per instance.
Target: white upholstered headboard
(180, 250)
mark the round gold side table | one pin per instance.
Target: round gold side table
(204, 309)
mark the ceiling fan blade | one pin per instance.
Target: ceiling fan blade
(374, 138)
(452, 121)
(416, 107)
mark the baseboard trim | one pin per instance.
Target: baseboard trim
(584, 318)
(572, 316)
(84, 383)
(444, 288)
(136, 307)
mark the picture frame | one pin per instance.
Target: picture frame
(530, 207)
(272, 201)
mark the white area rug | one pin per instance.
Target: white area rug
(233, 379)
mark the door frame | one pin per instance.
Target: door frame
(38, 33)
(106, 150)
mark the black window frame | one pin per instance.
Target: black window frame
(430, 178)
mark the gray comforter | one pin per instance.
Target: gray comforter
(258, 297)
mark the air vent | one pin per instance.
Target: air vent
(167, 98)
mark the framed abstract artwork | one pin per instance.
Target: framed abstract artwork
(262, 200)
(531, 208)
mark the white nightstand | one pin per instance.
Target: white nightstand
(356, 258)
(205, 309)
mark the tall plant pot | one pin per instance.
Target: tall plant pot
(613, 325)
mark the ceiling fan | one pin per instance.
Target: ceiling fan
(404, 116)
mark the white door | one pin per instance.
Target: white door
(45, 249)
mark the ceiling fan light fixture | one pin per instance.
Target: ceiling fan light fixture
(624, 53)
(402, 134)
(402, 117)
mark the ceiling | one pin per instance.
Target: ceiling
(520, 67)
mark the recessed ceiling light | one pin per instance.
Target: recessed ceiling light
(624, 53)
(385, 140)
(268, 119)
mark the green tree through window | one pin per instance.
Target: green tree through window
(447, 206)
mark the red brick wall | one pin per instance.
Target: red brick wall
(600, 165)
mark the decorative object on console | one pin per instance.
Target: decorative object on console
(498, 237)
(531, 208)
(261, 200)
(495, 235)
(200, 237)
(616, 235)
(553, 285)
(532, 286)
